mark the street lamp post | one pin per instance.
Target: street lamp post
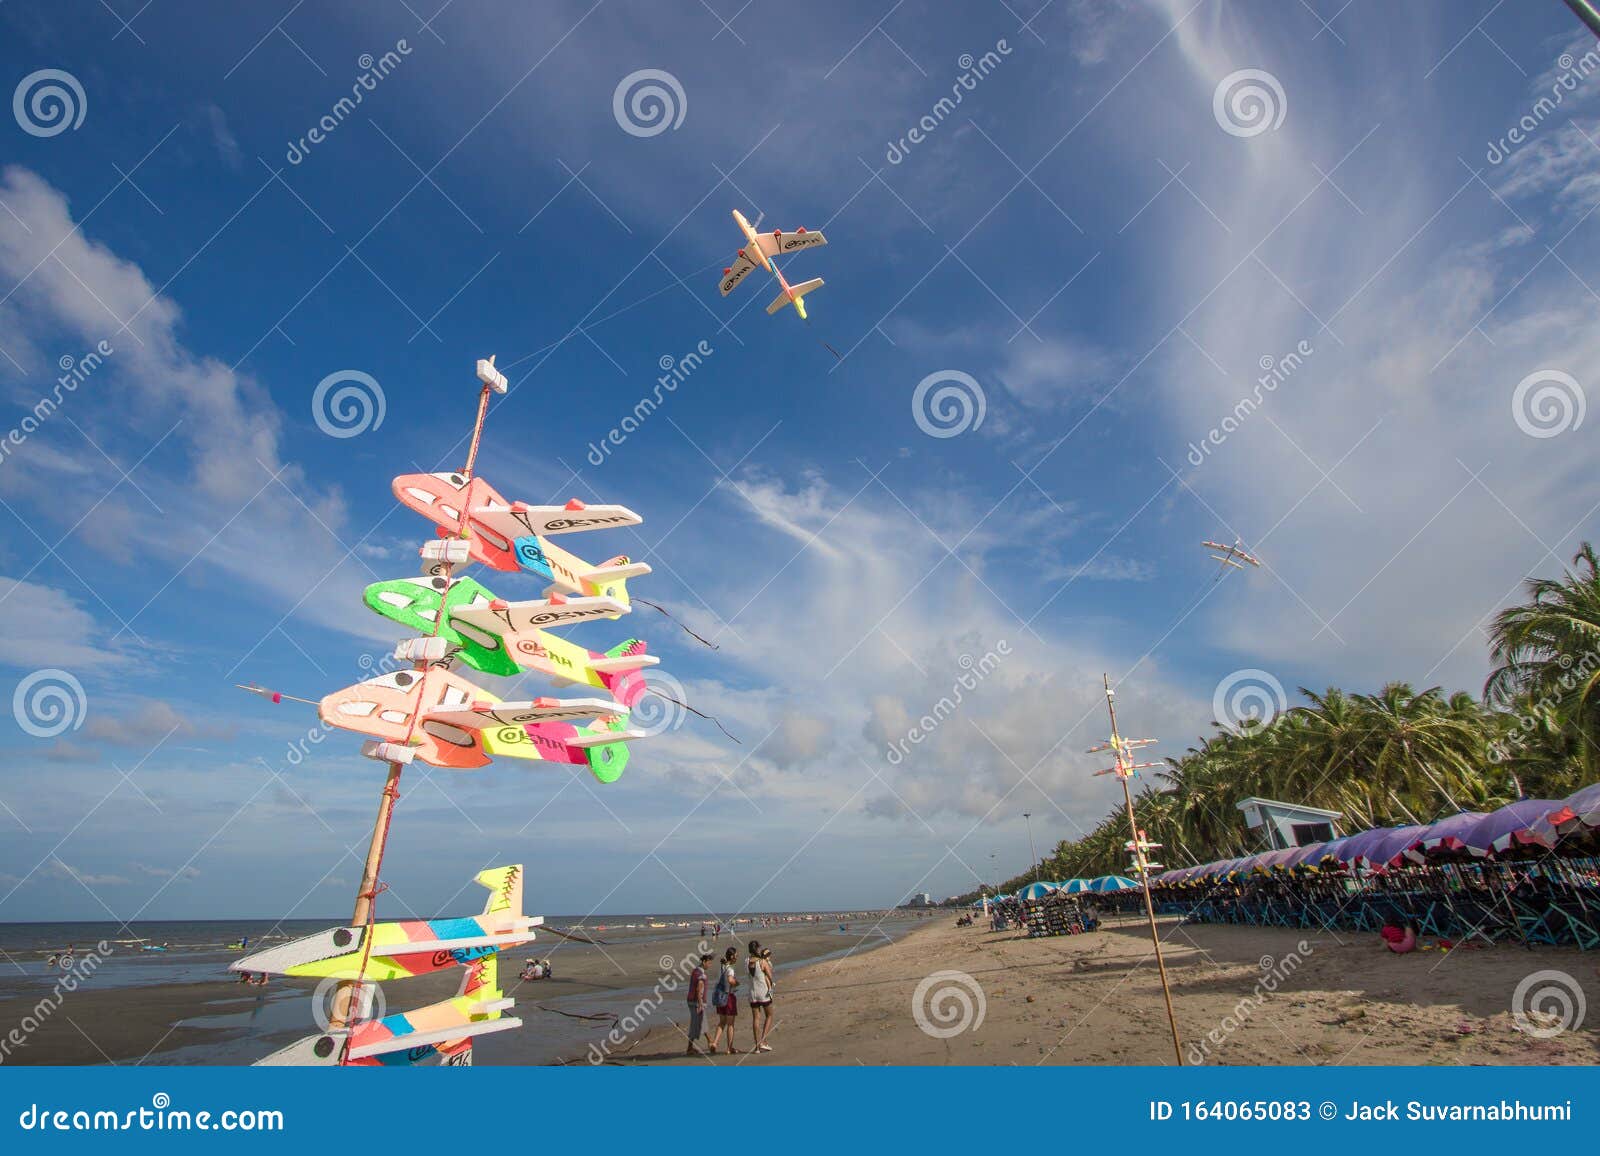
(1028, 818)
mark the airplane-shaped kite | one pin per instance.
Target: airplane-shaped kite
(1231, 555)
(759, 251)
(439, 717)
(386, 951)
(1121, 753)
(506, 638)
(515, 536)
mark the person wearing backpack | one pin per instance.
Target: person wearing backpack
(726, 1001)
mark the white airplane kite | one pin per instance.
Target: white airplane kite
(1230, 556)
(759, 250)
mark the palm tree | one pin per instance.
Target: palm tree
(1548, 654)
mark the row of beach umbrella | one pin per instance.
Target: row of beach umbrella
(1103, 885)
(1526, 825)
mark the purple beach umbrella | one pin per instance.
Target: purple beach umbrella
(1391, 850)
(1445, 836)
(1499, 831)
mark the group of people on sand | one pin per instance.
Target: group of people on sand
(723, 999)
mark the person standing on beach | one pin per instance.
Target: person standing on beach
(697, 1004)
(760, 966)
(726, 1002)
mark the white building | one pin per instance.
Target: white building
(1283, 825)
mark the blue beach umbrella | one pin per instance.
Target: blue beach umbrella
(1112, 883)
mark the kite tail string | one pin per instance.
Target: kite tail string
(708, 717)
(662, 610)
(824, 344)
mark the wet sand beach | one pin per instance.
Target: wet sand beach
(635, 971)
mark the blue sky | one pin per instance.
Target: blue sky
(1099, 235)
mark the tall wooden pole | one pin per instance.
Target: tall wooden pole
(1124, 773)
(346, 994)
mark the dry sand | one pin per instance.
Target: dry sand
(1096, 999)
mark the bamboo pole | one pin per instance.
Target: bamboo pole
(347, 991)
(1123, 774)
(345, 994)
(1585, 10)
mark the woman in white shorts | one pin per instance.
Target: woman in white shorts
(760, 968)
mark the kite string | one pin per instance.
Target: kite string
(663, 610)
(709, 717)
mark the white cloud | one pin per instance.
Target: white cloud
(188, 872)
(832, 660)
(46, 626)
(220, 473)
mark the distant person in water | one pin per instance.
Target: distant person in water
(760, 968)
(726, 1002)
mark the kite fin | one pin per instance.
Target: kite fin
(796, 294)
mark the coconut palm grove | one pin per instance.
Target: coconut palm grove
(1394, 756)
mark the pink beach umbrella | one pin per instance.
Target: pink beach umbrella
(1577, 813)
(1579, 809)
